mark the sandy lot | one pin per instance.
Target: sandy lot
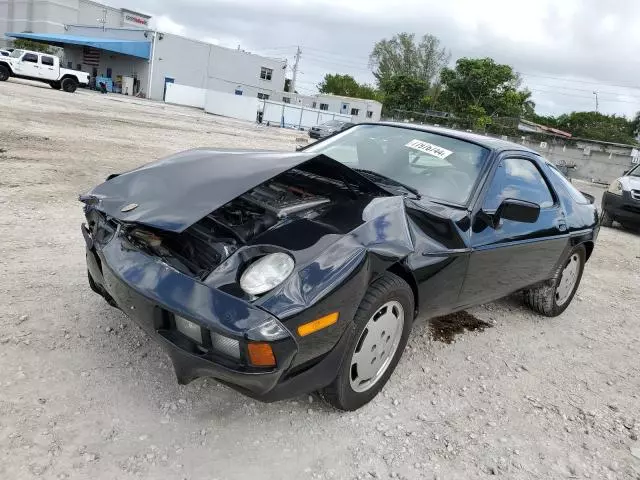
(84, 393)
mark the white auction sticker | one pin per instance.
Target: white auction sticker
(429, 148)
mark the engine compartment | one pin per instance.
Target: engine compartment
(208, 242)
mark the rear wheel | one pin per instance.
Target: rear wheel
(5, 73)
(554, 296)
(606, 220)
(56, 85)
(381, 329)
(69, 85)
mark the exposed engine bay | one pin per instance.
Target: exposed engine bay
(204, 245)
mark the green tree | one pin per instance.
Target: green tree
(482, 90)
(24, 44)
(346, 85)
(403, 92)
(597, 126)
(401, 55)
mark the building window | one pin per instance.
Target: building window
(369, 114)
(78, 67)
(47, 60)
(30, 57)
(355, 111)
(286, 99)
(70, 66)
(324, 106)
(109, 73)
(314, 105)
(263, 96)
(266, 73)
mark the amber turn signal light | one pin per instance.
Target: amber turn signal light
(261, 355)
(318, 324)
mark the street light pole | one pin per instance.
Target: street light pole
(596, 94)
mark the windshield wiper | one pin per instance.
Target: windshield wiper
(389, 181)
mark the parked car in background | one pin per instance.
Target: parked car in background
(285, 273)
(41, 67)
(329, 128)
(621, 201)
(4, 53)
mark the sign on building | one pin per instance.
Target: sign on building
(133, 18)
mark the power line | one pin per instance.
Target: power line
(578, 81)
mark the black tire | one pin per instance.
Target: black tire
(56, 85)
(387, 288)
(543, 298)
(606, 220)
(5, 73)
(69, 85)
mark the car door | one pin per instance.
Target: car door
(28, 65)
(509, 255)
(48, 70)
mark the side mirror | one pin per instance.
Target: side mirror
(517, 210)
(625, 172)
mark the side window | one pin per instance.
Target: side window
(47, 60)
(30, 57)
(519, 179)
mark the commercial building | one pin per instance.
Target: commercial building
(119, 47)
(51, 16)
(143, 61)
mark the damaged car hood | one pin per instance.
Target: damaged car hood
(173, 193)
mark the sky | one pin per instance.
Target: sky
(565, 50)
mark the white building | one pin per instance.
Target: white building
(51, 16)
(152, 59)
(359, 109)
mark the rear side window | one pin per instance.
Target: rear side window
(573, 191)
(30, 57)
(519, 179)
(47, 60)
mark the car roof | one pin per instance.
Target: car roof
(482, 140)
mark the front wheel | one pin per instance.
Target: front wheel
(606, 220)
(5, 73)
(380, 331)
(69, 85)
(554, 296)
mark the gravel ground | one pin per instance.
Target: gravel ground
(84, 393)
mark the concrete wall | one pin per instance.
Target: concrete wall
(230, 105)
(184, 95)
(602, 163)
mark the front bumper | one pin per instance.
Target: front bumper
(151, 293)
(622, 208)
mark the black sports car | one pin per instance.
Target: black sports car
(285, 273)
(621, 201)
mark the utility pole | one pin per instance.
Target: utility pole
(103, 20)
(295, 70)
(596, 94)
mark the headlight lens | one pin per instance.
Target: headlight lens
(615, 188)
(266, 273)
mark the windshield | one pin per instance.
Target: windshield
(634, 172)
(437, 166)
(16, 53)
